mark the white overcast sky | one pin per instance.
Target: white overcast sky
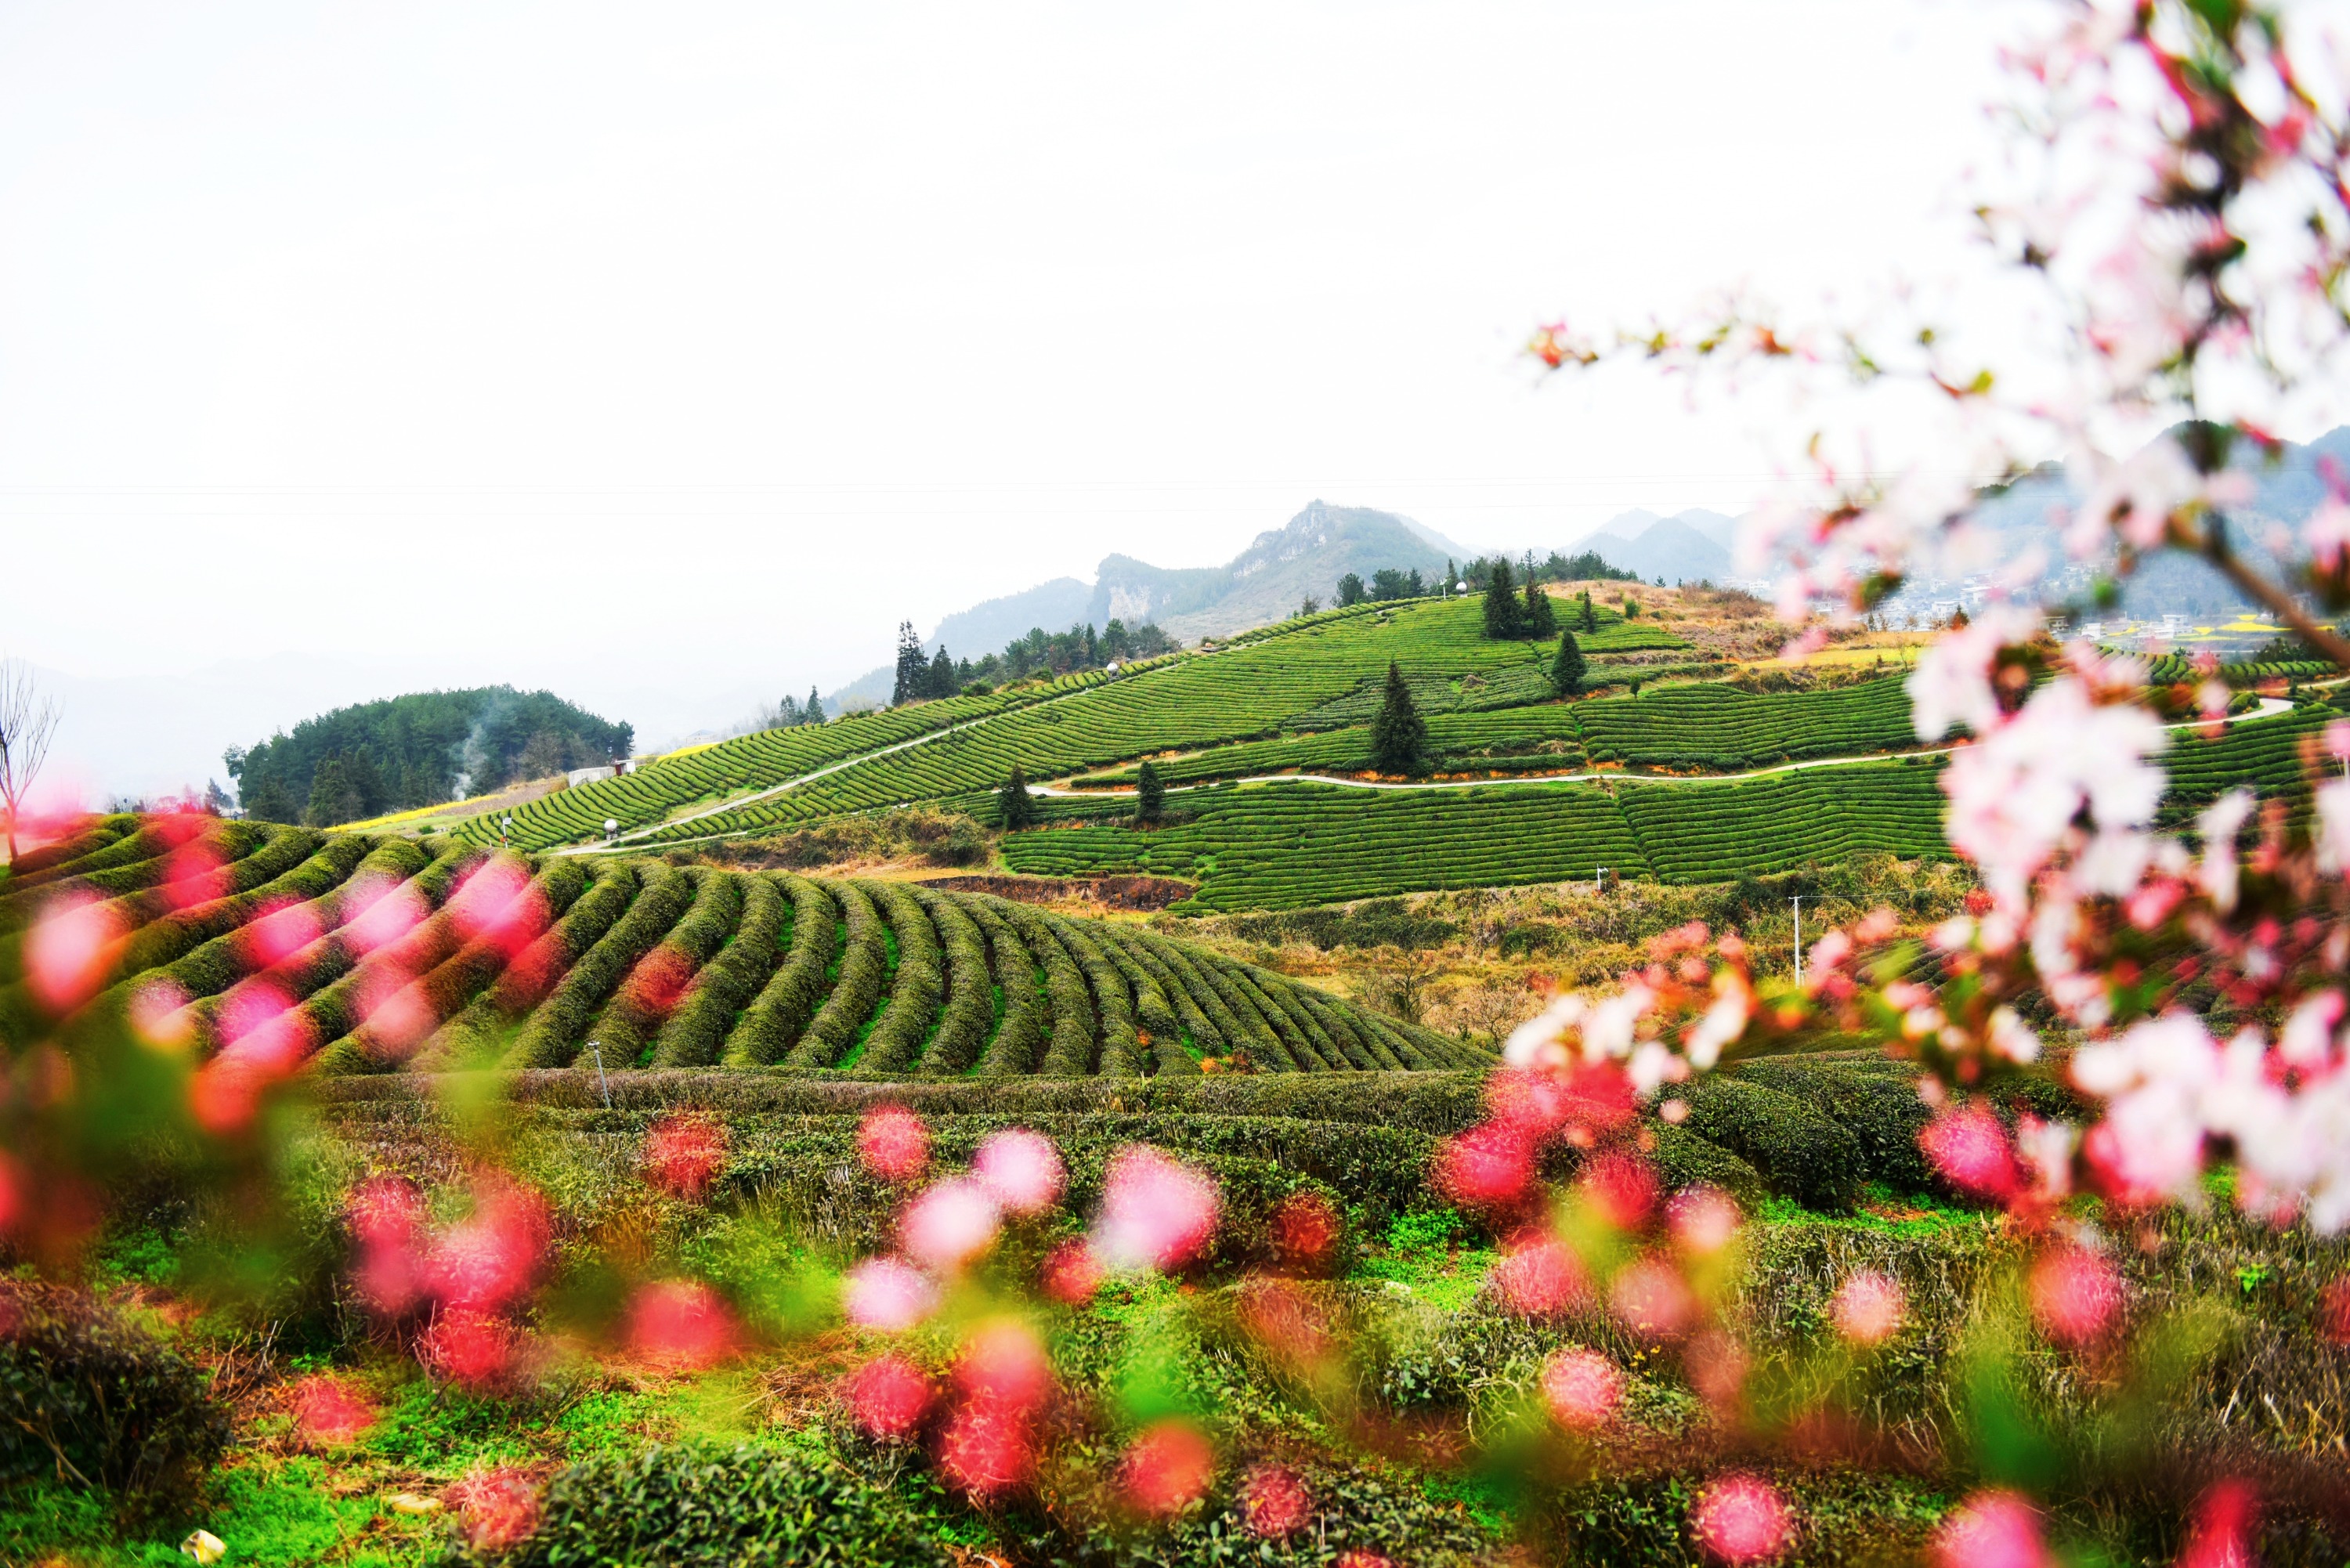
(669, 354)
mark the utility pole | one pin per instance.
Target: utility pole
(1799, 941)
(601, 1082)
(1599, 876)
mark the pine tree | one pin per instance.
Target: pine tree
(332, 798)
(941, 680)
(1452, 577)
(1540, 618)
(913, 669)
(1014, 803)
(1500, 603)
(1567, 670)
(1590, 616)
(814, 712)
(1150, 795)
(1398, 735)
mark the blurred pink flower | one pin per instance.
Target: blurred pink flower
(390, 917)
(1155, 1211)
(893, 1143)
(684, 1153)
(888, 1293)
(328, 1411)
(491, 1258)
(1704, 1220)
(1969, 1149)
(192, 874)
(1581, 1388)
(1021, 1169)
(468, 1347)
(986, 1450)
(156, 1014)
(1491, 1166)
(1002, 1364)
(1539, 1276)
(284, 930)
(2076, 1295)
(1649, 1297)
(1274, 1501)
(1992, 1528)
(1073, 1273)
(65, 953)
(1619, 1188)
(682, 1324)
(950, 1224)
(888, 1397)
(496, 1508)
(1306, 1231)
(1742, 1518)
(2221, 1535)
(1869, 1307)
(1167, 1469)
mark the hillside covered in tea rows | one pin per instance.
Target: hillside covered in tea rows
(351, 953)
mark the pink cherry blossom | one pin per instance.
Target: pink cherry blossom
(1491, 1166)
(950, 1224)
(1969, 1149)
(2222, 1532)
(1073, 1273)
(1167, 1468)
(1742, 1519)
(986, 1450)
(2076, 1296)
(1868, 1309)
(1649, 1297)
(1581, 1388)
(1539, 1276)
(329, 1412)
(497, 1508)
(1004, 1365)
(1274, 1501)
(679, 1324)
(1021, 1170)
(684, 1153)
(888, 1397)
(888, 1293)
(285, 928)
(65, 953)
(1990, 1530)
(1156, 1212)
(893, 1143)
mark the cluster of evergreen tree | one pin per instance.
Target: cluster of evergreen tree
(417, 751)
(790, 711)
(1509, 614)
(1584, 567)
(923, 677)
(1387, 583)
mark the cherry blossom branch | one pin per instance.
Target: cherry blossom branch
(2211, 543)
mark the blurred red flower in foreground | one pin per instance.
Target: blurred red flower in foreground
(1989, 1529)
(65, 952)
(1742, 1518)
(1167, 1469)
(893, 1143)
(684, 1153)
(1073, 1273)
(1306, 1231)
(1539, 1277)
(1867, 1308)
(497, 1508)
(1969, 1149)
(328, 1411)
(2075, 1295)
(888, 1397)
(1021, 1170)
(1491, 1166)
(985, 1449)
(681, 1323)
(888, 1293)
(1274, 1501)
(1582, 1388)
(1155, 1211)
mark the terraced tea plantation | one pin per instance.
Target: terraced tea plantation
(1286, 845)
(1318, 672)
(358, 954)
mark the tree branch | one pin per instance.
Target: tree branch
(2212, 545)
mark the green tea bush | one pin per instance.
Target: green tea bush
(697, 1031)
(552, 1037)
(1802, 1153)
(790, 998)
(970, 992)
(1019, 1037)
(914, 1000)
(864, 964)
(90, 1399)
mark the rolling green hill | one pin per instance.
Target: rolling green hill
(357, 954)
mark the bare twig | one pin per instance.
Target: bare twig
(28, 722)
(2211, 542)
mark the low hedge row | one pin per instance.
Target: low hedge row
(773, 1020)
(551, 1038)
(33, 866)
(697, 1031)
(478, 1033)
(1799, 1151)
(641, 1003)
(445, 991)
(1160, 1029)
(1121, 1048)
(1070, 1050)
(864, 966)
(920, 985)
(220, 958)
(1193, 1023)
(334, 1009)
(1020, 1035)
(970, 993)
